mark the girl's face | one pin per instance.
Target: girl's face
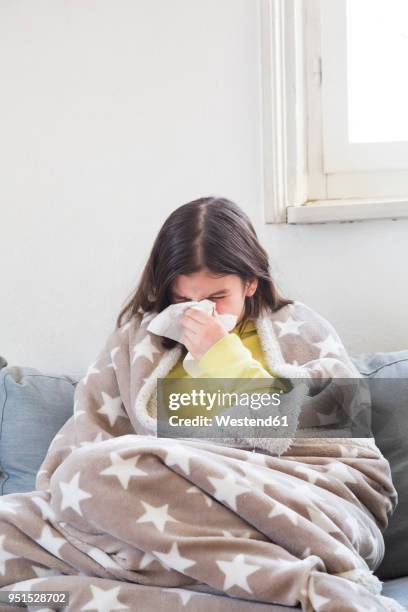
(227, 292)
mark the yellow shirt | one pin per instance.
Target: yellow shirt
(236, 355)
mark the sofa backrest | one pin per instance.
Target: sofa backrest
(387, 376)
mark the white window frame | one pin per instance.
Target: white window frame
(296, 187)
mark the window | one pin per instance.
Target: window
(335, 100)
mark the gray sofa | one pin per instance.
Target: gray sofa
(34, 405)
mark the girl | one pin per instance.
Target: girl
(208, 248)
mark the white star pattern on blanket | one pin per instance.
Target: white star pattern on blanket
(5, 555)
(145, 349)
(72, 494)
(257, 458)
(290, 326)
(328, 346)
(159, 516)
(123, 469)
(51, 542)
(112, 408)
(341, 471)
(46, 510)
(195, 489)
(282, 510)
(237, 572)
(179, 455)
(184, 595)
(227, 489)
(7, 505)
(146, 560)
(174, 560)
(104, 600)
(43, 572)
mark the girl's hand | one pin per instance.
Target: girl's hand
(200, 331)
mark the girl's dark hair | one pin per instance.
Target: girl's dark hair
(213, 233)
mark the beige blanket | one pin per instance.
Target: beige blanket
(124, 520)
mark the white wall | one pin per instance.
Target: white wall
(115, 112)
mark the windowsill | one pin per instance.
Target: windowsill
(335, 211)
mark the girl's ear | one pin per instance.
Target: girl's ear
(251, 287)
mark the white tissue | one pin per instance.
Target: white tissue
(167, 323)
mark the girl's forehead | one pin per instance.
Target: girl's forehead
(204, 282)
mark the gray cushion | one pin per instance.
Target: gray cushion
(397, 589)
(3, 362)
(33, 407)
(387, 374)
